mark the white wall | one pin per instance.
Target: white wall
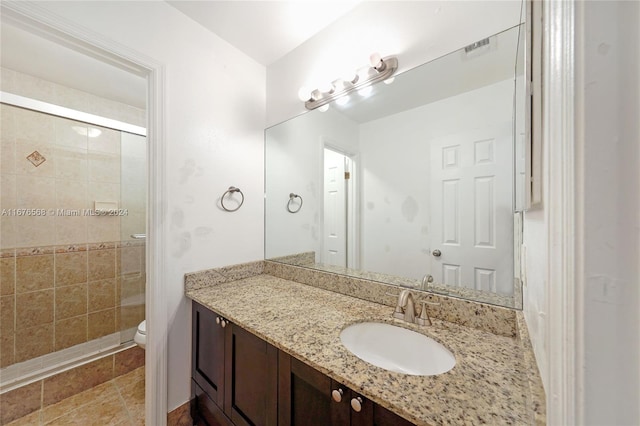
(611, 205)
(416, 32)
(607, 318)
(396, 166)
(215, 109)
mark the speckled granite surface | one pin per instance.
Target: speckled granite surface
(495, 319)
(488, 385)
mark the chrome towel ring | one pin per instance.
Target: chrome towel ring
(293, 196)
(230, 191)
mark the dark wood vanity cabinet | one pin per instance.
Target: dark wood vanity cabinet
(239, 379)
(234, 373)
(306, 397)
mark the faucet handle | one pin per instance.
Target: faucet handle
(399, 310)
(424, 318)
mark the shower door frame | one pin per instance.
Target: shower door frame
(38, 20)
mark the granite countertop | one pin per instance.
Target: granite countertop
(488, 384)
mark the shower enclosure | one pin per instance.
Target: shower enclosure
(72, 235)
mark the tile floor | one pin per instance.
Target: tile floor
(117, 402)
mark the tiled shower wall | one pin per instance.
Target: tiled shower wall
(66, 277)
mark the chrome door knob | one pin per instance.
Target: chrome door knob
(356, 404)
(436, 253)
(337, 395)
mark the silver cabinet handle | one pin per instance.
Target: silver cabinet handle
(138, 236)
(337, 395)
(437, 253)
(356, 404)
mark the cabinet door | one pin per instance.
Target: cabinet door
(207, 355)
(363, 414)
(304, 396)
(384, 417)
(204, 411)
(251, 380)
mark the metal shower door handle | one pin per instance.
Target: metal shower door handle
(436, 253)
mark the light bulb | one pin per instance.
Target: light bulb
(304, 94)
(342, 100)
(375, 59)
(365, 91)
(326, 88)
(324, 108)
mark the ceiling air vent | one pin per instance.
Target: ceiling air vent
(476, 45)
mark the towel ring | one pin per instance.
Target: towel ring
(230, 191)
(291, 197)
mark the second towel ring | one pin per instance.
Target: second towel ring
(230, 191)
(292, 196)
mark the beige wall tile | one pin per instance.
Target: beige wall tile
(34, 308)
(70, 133)
(7, 315)
(70, 230)
(130, 260)
(71, 163)
(130, 287)
(131, 316)
(107, 140)
(34, 342)
(34, 126)
(104, 167)
(79, 379)
(103, 228)
(20, 402)
(71, 268)
(7, 276)
(71, 194)
(35, 192)
(8, 190)
(34, 273)
(7, 154)
(102, 264)
(102, 295)
(129, 360)
(23, 166)
(70, 332)
(7, 344)
(33, 231)
(8, 234)
(101, 323)
(7, 80)
(71, 301)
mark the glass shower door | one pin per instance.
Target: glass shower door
(131, 253)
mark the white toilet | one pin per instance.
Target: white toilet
(141, 334)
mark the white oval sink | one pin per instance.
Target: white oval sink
(397, 349)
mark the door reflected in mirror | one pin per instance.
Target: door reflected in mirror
(417, 184)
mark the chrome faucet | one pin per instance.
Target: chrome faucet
(405, 309)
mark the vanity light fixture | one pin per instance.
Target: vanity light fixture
(381, 69)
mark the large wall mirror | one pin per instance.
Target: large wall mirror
(418, 183)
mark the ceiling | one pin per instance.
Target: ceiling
(263, 30)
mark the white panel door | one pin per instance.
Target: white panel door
(472, 204)
(335, 210)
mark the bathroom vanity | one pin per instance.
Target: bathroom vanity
(267, 350)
